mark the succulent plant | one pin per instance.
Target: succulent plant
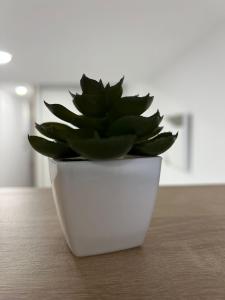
(110, 126)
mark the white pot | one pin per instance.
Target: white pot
(105, 206)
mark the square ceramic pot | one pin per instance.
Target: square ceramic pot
(105, 206)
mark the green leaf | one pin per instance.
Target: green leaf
(103, 148)
(147, 136)
(138, 125)
(90, 105)
(55, 131)
(91, 86)
(51, 149)
(114, 93)
(155, 146)
(61, 132)
(79, 121)
(131, 106)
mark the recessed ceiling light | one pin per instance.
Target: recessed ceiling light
(21, 90)
(5, 57)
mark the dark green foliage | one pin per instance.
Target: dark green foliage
(114, 93)
(111, 126)
(131, 106)
(138, 125)
(90, 105)
(155, 146)
(51, 149)
(103, 148)
(56, 131)
(91, 86)
(79, 121)
(61, 132)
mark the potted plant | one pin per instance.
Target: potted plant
(105, 172)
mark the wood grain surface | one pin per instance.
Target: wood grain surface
(183, 256)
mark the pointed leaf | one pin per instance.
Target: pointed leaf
(62, 132)
(71, 94)
(114, 93)
(90, 105)
(147, 136)
(51, 149)
(155, 146)
(79, 121)
(107, 148)
(55, 131)
(91, 86)
(138, 125)
(131, 106)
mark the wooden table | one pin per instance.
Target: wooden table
(183, 256)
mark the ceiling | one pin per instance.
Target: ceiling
(55, 41)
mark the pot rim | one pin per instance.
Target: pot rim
(104, 160)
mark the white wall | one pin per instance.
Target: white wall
(15, 154)
(196, 84)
